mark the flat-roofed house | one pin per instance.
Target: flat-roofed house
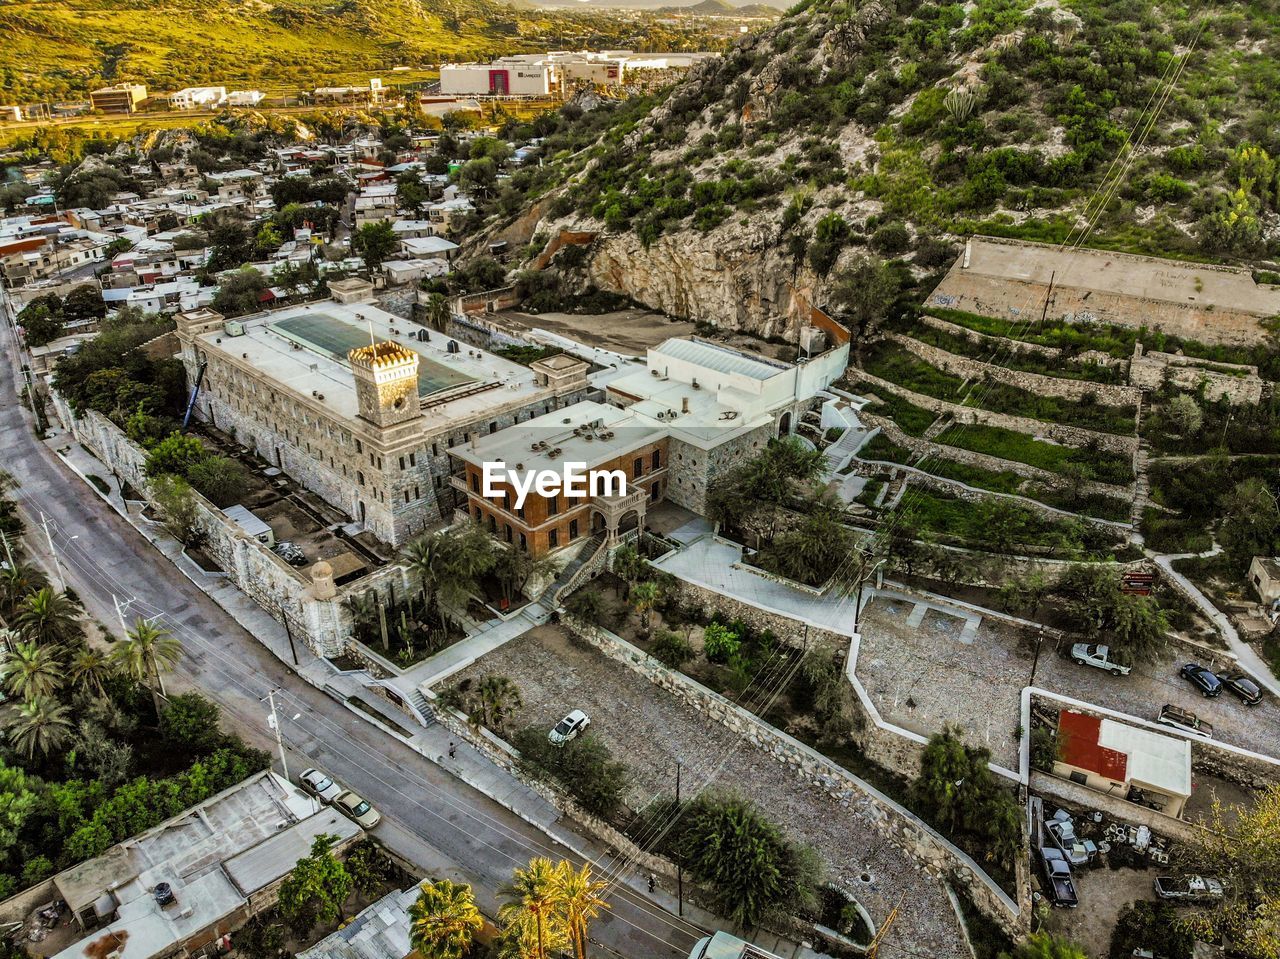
(1128, 762)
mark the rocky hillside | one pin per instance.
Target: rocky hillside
(879, 130)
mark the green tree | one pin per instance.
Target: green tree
(89, 670)
(1097, 607)
(1251, 521)
(1043, 945)
(145, 654)
(444, 920)
(437, 310)
(584, 767)
(175, 454)
(753, 871)
(374, 242)
(219, 479)
(190, 722)
(411, 192)
(515, 568)
(579, 898)
(19, 799)
(240, 292)
(864, 292)
(40, 724)
(531, 910)
(316, 888)
(50, 618)
(16, 581)
(30, 669)
(369, 867)
(720, 643)
(177, 506)
(40, 325)
(644, 597)
(448, 566)
(1184, 415)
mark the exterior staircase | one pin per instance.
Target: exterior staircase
(577, 567)
(841, 451)
(425, 714)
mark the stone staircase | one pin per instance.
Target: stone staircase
(1141, 486)
(841, 451)
(425, 714)
(577, 567)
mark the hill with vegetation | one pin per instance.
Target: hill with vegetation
(60, 49)
(865, 135)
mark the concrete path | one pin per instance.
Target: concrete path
(1245, 654)
(460, 655)
(710, 562)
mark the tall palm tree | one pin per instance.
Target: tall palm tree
(444, 920)
(146, 652)
(530, 912)
(32, 670)
(16, 582)
(580, 901)
(39, 725)
(644, 596)
(49, 617)
(449, 565)
(497, 696)
(89, 670)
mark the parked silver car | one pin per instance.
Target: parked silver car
(320, 785)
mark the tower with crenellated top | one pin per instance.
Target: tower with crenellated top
(386, 383)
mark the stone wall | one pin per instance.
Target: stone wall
(17, 907)
(973, 336)
(928, 448)
(693, 471)
(1241, 386)
(1110, 394)
(897, 824)
(284, 592)
(1062, 433)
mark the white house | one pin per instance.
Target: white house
(197, 98)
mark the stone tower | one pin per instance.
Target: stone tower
(386, 383)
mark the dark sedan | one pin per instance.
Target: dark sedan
(1202, 679)
(1244, 687)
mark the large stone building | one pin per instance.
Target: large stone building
(360, 406)
(695, 412)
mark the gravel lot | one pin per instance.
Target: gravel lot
(925, 675)
(649, 731)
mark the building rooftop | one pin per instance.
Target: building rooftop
(213, 856)
(568, 431)
(1124, 753)
(717, 358)
(304, 349)
(380, 932)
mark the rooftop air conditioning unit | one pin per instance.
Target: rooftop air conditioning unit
(654, 373)
(534, 447)
(588, 437)
(233, 328)
(553, 453)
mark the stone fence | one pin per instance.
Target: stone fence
(1058, 432)
(956, 454)
(896, 823)
(308, 610)
(1110, 394)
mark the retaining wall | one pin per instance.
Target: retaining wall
(1110, 394)
(898, 825)
(1058, 432)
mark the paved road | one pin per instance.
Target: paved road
(431, 818)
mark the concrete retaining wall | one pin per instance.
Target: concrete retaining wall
(1110, 394)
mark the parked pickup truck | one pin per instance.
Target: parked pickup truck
(1057, 874)
(1178, 718)
(1092, 654)
(1188, 888)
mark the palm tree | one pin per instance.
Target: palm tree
(580, 901)
(89, 671)
(17, 581)
(444, 920)
(497, 696)
(531, 912)
(449, 565)
(145, 652)
(40, 724)
(49, 617)
(32, 670)
(644, 596)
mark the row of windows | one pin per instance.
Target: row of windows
(511, 536)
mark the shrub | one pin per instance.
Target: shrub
(720, 643)
(891, 239)
(671, 649)
(583, 767)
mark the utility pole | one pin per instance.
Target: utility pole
(679, 859)
(274, 721)
(284, 618)
(62, 580)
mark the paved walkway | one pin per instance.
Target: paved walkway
(1245, 654)
(490, 636)
(710, 562)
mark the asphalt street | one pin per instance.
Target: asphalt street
(431, 818)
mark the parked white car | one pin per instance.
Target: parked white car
(321, 785)
(569, 727)
(354, 807)
(1099, 657)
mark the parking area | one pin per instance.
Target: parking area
(925, 666)
(1104, 894)
(650, 731)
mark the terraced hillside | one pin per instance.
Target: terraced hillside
(854, 134)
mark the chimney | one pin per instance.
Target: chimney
(684, 404)
(473, 440)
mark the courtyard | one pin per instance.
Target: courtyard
(650, 731)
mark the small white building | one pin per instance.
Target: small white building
(508, 77)
(197, 98)
(244, 98)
